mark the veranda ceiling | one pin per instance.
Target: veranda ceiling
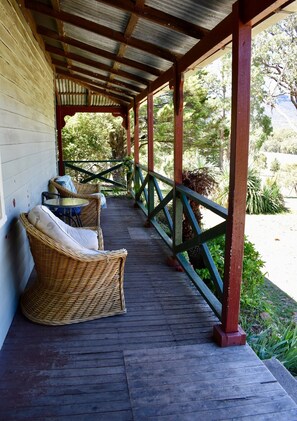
(108, 52)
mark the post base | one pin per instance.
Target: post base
(174, 263)
(228, 339)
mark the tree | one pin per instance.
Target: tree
(92, 136)
(275, 52)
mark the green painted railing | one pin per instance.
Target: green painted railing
(111, 173)
(149, 197)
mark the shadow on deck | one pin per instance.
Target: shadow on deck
(156, 362)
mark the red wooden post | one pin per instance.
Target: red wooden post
(178, 99)
(136, 133)
(128, 134)
(229, 333)
(59, 121)
(150, 136)
(178, 127)
(150, 131)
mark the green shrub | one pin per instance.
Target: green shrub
(252, 277)
(273, 200)
(275, 165)
(277, 341)
(254, 202)
(259, 200)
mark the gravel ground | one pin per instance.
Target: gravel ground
(275, 237)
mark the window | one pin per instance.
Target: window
(2, 208)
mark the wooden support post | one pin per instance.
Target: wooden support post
(150, 136)
(178, 156)
(128, 131)
(136, 148)
(136, 133)
(229, 333)
(59, 122)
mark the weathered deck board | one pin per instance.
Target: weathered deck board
(203, 382)
(157, 361)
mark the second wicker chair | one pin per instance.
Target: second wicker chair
(90, 214)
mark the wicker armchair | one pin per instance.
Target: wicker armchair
(90, 214)
(71, 287)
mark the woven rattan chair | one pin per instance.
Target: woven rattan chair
(90, 214)
(70, 286)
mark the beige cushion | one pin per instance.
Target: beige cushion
(78, 239)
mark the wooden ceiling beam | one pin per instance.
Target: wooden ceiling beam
(159, 17)
(256, 11)
(95, 64)
(95, 75)
(98, 51)
(101, 30)
(94, 88)
(127, 34)
(93, 82)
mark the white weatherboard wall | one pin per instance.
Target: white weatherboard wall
(27, 148)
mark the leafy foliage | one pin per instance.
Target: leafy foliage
(92, 136)
(273, 201)
(259, 200)
(252, 277)
(277, 341)
(275, 51)
(282, 141)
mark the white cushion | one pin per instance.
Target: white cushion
(78, 239)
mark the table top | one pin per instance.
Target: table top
(66, 202)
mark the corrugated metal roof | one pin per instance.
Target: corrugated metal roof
(148, 59)
(91, 38)
(72, 93)
(97, 12)
(164, 37)
(206, 13)
(90, 56)
(123, 46)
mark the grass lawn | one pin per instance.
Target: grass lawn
(272, 327)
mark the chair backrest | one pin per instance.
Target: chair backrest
(66, 182)
(81, 240)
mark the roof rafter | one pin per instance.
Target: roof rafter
(101, 30)
(95, 64)
(98, 51)
(95, 83)
(60, 27)
(159, 17)
(114, 97)
(127, 34)
(95, 75)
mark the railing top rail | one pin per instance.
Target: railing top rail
(99, 160)
(162, 178)
(143, 167)
(204, 201)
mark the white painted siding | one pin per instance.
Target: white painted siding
(27, 147)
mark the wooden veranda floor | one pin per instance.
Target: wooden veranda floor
(157, 362)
